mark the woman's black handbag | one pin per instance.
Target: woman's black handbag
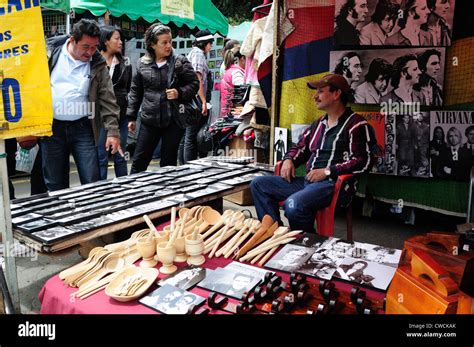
(204, 137)
(185, 114)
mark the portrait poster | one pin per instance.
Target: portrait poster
(185, 278)
(384, 76)
(412, 138)
(310, 240)
(281, 144)
(365, 273)
(322, 264)
(377, 254)
(290, 258)
(377, 121)
(452, 144)
(246, 269)
(233, 283)
(391, 23)
(171, 300)
(390, 164)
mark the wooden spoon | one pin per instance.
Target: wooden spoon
(210, 217)
(113, 264)
(91, 270)
(193, 211)
(279, 232)
(243, 227)
(266, 248)
(218, 225)
(177, 232)
(267, 256)
(255, 225)
(230, 232)
(182, 212)
(267, 222)
(204, 208)
(219, 240)
(84, 270)
(75, 268)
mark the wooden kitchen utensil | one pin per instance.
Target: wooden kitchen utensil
(151, 226)
(149, 275)
(267, 222)
(166, 254)
(147, 248)
(194, 248)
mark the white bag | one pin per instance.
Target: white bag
(25, 159)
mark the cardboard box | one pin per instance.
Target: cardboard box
(243, 198)
(239, 148)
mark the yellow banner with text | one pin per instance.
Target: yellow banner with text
(25, 98)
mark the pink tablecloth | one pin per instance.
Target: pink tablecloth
(55, 296)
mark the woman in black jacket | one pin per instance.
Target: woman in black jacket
(120, 70)
(150, 91)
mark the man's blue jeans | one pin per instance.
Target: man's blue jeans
(302, 199)
(120, 164)
(68, 138)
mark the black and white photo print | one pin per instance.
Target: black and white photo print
(452, 144)
(393, 78)
(393, 23)
(290, 258)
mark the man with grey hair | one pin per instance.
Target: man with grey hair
(83, 102)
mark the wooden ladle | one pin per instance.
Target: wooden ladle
(210, 217)
(219, 224)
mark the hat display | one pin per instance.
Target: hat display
(334, 80)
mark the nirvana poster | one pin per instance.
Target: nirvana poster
(452, 144)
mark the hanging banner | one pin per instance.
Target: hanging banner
(179, 8)
(25, 98)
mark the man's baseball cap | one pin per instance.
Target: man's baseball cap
(334, 80)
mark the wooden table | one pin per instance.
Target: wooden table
(211, 179)
(76, 239)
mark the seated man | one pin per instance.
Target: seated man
(338, 143)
